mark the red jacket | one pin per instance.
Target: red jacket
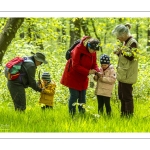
(77, 68)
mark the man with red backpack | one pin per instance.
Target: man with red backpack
(26, 78)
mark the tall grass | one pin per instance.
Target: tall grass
(58, 120)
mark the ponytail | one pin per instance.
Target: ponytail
(128, 25)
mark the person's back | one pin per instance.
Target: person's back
(77, 67)
(25, 79)
(27, 72)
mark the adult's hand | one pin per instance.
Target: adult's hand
(92, 71)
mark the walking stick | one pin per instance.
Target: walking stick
(39, 76)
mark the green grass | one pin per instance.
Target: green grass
(58, 120)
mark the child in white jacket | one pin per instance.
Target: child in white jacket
(105, 81)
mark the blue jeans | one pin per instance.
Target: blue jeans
(74, 96)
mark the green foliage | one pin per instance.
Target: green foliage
(55, 44)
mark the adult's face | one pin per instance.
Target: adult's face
(38, 63)
(122, 37)
(91, 50)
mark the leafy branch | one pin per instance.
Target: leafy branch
(127, 51)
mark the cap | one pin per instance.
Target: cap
(40, 57)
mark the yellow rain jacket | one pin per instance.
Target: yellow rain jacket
(47, 95)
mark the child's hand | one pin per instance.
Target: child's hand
(99, 74)
(43, 89)
(95, 77)
(92, 71)
(101, 78)
(38, 82)
(117, 52)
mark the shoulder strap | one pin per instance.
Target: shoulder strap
(132, 40)
(26, 59)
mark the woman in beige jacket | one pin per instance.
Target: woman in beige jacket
(105, 81)
(127, 68)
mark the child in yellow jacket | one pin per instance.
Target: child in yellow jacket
(48, 92)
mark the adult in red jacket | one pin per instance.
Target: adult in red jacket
(82, 63)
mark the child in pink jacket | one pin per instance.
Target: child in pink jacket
(105, 81)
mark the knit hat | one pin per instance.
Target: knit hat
(46, 76)
(40, 57)
(104, 59)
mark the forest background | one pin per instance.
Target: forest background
(53, 36)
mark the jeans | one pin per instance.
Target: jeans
(74, 96)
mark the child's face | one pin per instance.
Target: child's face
(45, 82)
(104, 66)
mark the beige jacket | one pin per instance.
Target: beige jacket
(127, 71)
(105, 87)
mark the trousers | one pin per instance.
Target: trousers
(103, 100)
(125, 95)
(76, 96)
(17, 92)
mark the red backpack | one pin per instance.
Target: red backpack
(12, 68)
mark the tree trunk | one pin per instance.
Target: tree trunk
(84, 25)
(75, 30)
(64, 32)
(148, 36)
(95, 31)
(137, 32)
(94, 28)
(72, 34)
(8, 34)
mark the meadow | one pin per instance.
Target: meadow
(58, 120)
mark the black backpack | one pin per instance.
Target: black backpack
(71, 48)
